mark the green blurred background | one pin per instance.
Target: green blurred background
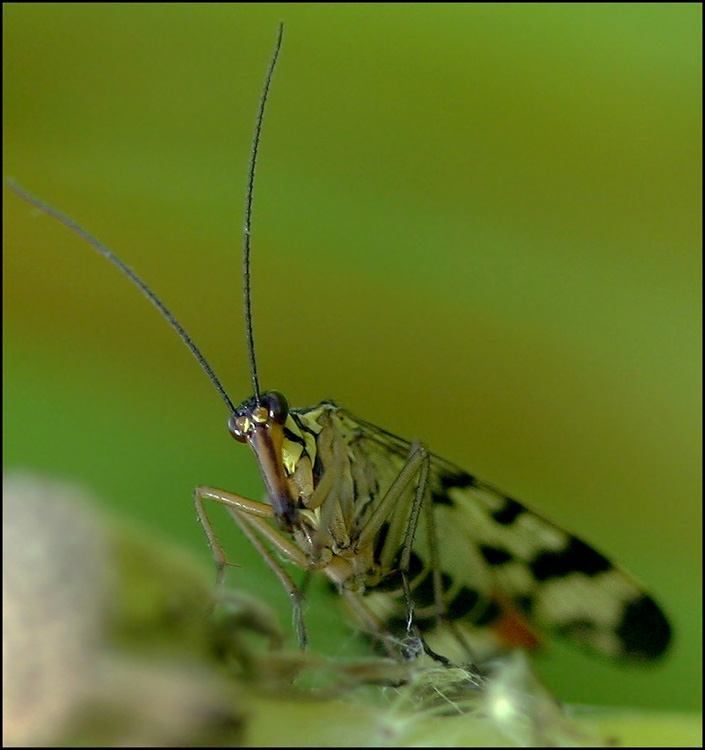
(476, 224)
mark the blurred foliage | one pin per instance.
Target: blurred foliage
(476, 224)
(110, 640)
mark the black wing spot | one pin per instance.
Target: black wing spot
(423, 593)
(396, 624)
(462, 603)
(509, 512)
(488, 615)
(415, 566)
(441, 499)
(495, 555)
(644, 630)
(391, 582)
(577, 557)
(458, 481)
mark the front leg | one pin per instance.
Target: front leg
(254, 518)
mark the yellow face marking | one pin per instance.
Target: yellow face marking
(243, 424)
(260, 415)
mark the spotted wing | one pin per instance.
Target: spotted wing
(507, 570)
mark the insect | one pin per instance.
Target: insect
(413, 543)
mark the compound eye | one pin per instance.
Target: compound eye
(276, 405)
(239, 427)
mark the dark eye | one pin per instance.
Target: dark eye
(276, 405)
(238, 427)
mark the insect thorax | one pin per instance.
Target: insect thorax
(338, 477)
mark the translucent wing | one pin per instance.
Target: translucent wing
(507, 569)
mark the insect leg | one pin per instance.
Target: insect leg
(405, 557)
(416, 466)
(432, 541)
(370, 622)
(417, 456)
(248, 527)
(421, 495)
(438, 605)
(252, 516)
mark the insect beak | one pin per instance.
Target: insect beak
(266, 440)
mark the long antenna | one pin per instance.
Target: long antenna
(134, 278)
(248, 214)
